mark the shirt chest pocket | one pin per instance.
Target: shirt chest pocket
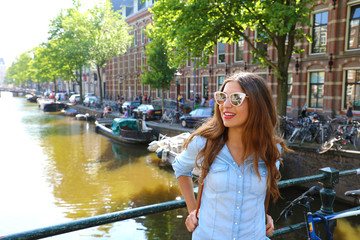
(256, 185)
(218, 177)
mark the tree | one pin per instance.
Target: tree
(161, 73)
(196, 26)
(109, 36)
(69, 40)
(18, 72)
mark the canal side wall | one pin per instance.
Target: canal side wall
(304, 161)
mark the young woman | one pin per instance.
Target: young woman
(349, 113)
(238, 153)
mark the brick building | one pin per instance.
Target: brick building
(324, 77)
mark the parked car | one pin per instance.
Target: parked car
(131, 104)
(168, 103)
(89, 95)
(73, 97)
(90, 101)
(196, 116)
(150, 111)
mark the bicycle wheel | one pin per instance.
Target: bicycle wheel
(356, 140)
(305, 136)
(325, 146)
(294, 135)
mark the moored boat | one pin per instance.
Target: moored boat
(124, 130)
(167, 148)
(49, 105)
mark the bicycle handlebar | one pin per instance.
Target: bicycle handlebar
(310, 192)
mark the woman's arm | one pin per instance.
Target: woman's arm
(186, 186)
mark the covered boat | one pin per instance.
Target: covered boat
(125, 130)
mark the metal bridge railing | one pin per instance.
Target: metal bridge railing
(329, 177)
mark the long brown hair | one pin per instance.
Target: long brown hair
(259, 136)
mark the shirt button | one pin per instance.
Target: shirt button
(238, 191)
(237, 207)
(239, 176)
(234, 238)
(236, 223)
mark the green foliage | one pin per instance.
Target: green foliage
(160, 74)
(195, 27)
(76, 40)
(18, 72)
(109, 35)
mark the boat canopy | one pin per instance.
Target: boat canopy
(124, 123)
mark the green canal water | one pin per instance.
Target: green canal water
(55, 169)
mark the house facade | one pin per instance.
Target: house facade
(324, 77)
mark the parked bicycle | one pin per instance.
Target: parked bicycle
(312, 218)
(168, 116)
(287, 126)
(343, 136)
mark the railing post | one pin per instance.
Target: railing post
(328, 195)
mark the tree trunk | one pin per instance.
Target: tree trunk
(100, 83)
(163, 100)
(80, 84)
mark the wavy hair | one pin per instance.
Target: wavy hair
(259, 135)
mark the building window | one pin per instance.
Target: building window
(354, 29)
(135, 66)
(221, 52)
(290, 88)
(239, 50)
(129, 63)
(142, 37)
(316, 89)
(220, 79)
(141, 4)
(352, 88)
(142, 61)
(205, 87)
(319, 32)
(123, 63)
(135, 38)
(260, 45)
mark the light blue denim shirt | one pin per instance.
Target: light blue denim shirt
(232, 205)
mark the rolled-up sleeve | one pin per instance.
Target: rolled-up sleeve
(184, 163)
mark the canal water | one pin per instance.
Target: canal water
(55, 169)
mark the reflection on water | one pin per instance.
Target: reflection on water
(74, 173)
(346, 230)
(55, 169)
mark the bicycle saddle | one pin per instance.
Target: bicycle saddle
(353, 193)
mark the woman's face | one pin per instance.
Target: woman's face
(234, 117)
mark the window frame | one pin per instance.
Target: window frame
(313, 29)
(236, 52)
(348, 26)
(310, 84)
(357, 88)
(222, 54)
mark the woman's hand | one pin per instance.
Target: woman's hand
(191, 221)
(269, 225)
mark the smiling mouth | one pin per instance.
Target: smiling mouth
(228, 115)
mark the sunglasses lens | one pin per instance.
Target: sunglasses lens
(236, 99)
(220, 98)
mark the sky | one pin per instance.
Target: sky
(24, 24)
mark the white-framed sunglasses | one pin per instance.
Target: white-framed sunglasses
(236, 98)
